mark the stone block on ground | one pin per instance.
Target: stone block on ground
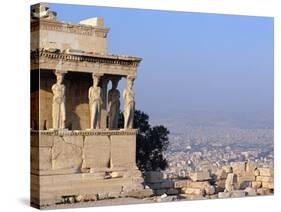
(209, 190)
(223, 194)
(264, 191)
(221, 174)
(230, 182)
(200, 176)
(90, 197)
(193, 191)
(256, 184)
(140, 194)
(115, 174)
(181, 183)
(251, 167)
(238, 167)
(264, 179)
(165, 198)
(101, 196)
(199, 184)
(267, 172)
(238, 193)
(250, 191)
(227, 168)
(213, 196)
(246, 177)
(203, 185)
(269, 185)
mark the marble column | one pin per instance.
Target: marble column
(95, 103)
(129, 103)
(113, 104)
(58, 106)
(104, 84)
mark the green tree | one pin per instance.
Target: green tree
(151, 142)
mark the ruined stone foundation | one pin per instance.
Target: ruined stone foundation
(73, 166)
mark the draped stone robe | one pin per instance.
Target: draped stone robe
(95, 102)
(58, 109)
(114, 107)
(129, 108)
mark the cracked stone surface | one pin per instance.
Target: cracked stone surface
(67, 152)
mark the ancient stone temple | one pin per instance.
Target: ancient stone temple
(77, 150)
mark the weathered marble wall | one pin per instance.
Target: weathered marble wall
(74, 151)
(57, 35)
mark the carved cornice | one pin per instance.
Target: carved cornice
(51, 25)
(97, 132)
(92, 58)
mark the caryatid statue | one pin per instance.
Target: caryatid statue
(113, 105)
(58, 109)
(95, 102)
(129, 103)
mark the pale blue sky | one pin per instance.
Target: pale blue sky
(191, 61)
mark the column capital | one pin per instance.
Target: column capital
(59, 72)
(97, 75)
(131, 77)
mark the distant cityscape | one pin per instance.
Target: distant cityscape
(195, 146)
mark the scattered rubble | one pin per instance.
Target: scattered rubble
(237, 179)
(159, 185)
(246, 179)
(200, 176)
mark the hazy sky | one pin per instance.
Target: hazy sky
(191, 61)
